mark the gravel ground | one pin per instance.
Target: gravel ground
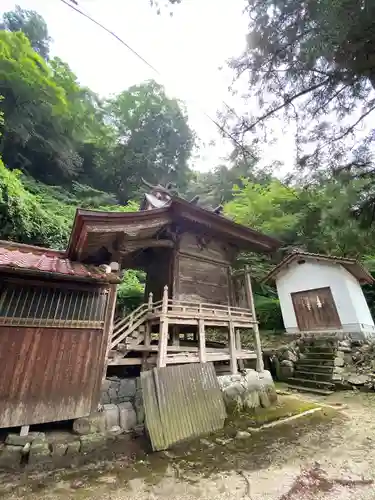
(328, 455)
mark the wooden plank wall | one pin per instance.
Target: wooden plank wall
(202, 271)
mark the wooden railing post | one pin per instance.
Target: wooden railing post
(202, 337)
(258, 347)
(150, 301)
(163, 331)
(232, 345)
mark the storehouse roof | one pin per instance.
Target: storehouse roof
(44, 261)
(353, 266)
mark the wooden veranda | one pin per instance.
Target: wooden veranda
(150, 335)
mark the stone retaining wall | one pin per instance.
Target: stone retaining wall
(248, 390)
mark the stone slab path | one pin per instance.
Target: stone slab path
(325, 457)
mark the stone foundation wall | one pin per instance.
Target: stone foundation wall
(247, 390)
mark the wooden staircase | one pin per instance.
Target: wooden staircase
(313, 371)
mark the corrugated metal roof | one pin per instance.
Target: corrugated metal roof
(181, 402)
(43, 260)
(351, 265)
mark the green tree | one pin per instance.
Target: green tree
(32, 25)
(314, 61)
(34, 137)
(154, 140)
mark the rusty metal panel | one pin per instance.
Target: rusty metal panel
(48, 374)
(181, 402)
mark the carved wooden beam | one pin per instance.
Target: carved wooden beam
(132, 246)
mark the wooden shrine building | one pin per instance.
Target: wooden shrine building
(187, 253)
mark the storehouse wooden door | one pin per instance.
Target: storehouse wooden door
(315, 309)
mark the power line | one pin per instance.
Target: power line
(70, 3)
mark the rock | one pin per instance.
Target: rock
(338, 369)
(111, 415)
(243, 435)
(223, 441)
(115, 431)
(74, 448)
(339, 362)
(251, 400)
(365, 348)
(340, 354)
(39, 452)
(95, 422)
(58, 449)
(358, 379)
(289, 356)
(286, 369)
(17, 440)
(287, 362)
(10, 456)
(345, 344)
(207, 443)
(139, 430)
(128, 417)
(92, 442)
(264, 399)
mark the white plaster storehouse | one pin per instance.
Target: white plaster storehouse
(323, 293)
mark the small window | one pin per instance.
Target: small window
(57, 307)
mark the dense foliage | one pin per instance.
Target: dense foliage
(62, 146)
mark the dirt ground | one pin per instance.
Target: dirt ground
(327, 455)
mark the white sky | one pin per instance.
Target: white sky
(188, 49)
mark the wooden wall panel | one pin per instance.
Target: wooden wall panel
(200, 280)
(204, 248)
(315, 309)
(49, 374)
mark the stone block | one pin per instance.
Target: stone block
(39, 452)
(106, 384)
(339, 361)
(95, 422)
(92, 442)
(358, 379)
(128, 417)
(73, 448)
(113, 394)
(127, 389)
(10, 456)
(340, 354)
(58, 449)
(104, 398)
(138, 404)
(111, 415)
(17, 440)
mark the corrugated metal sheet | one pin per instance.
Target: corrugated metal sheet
(45, 260)
(181, 402)
(48, 374)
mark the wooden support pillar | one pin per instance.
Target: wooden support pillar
(258, 347)
(163, 331)
(232, 345)
(241, 362)
(108, 325)
(147, 341)
(202, 341)
(176, 335)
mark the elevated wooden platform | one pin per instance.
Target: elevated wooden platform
(150, 335)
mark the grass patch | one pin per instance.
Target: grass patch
(286, 406)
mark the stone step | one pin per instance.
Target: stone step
(313, 390)
(311, 383)
(317, 350)
(315, 368)
(315, 361)
(310, 375)
(325, 355)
